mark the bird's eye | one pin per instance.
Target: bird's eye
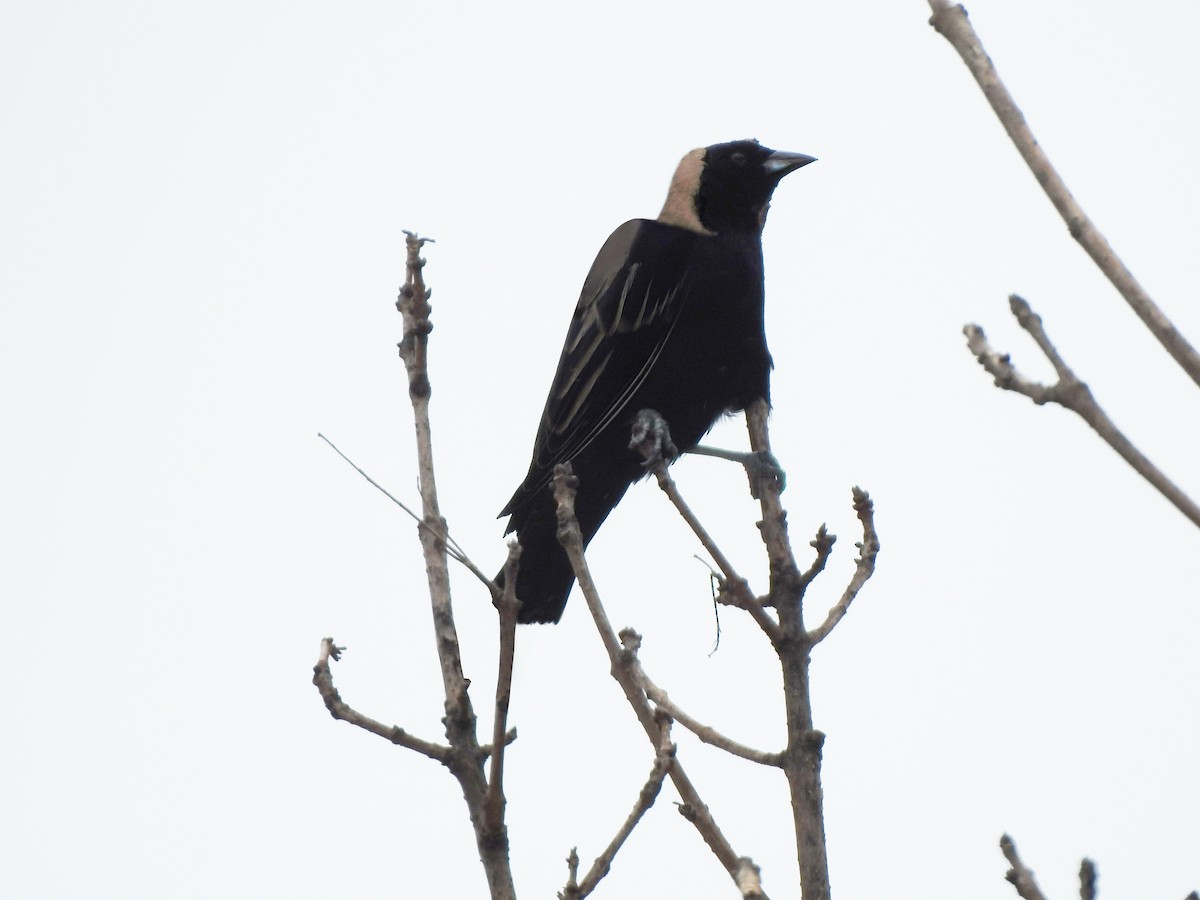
(739, 158)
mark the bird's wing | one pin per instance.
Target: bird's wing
(626, 313)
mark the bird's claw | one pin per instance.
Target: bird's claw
(763, 464)
(652, 438)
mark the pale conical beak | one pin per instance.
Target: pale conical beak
(781, 162)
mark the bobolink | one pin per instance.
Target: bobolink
(670, 319)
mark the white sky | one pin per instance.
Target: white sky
(201, 208)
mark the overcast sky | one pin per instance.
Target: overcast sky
(202, 208)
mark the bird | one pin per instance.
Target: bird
(670, 319)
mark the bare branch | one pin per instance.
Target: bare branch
(491, 835)
(785, 574)
(734, 587)
(693, 808)
(572, 875)
(823, 544)
(494, 802)
(1019, 876)
(802, 756)
(663, 761)
(864, 566)
(1087, 880)
(339, 709)
(952, 23)
(706, 733)
(1072, 394)
(414, 305)
(455, 550)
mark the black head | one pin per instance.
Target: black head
(727, 187)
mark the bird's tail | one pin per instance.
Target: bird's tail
(545, 576)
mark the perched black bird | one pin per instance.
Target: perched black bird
(671, 319)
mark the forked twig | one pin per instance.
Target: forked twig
(1020, 876)
(663, 761)
(950, 20)
(864, 566)
(741, 869)
(339, 709)
(1073, 394)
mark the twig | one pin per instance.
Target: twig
(663, 761)
(802, 756)
(705, 733)
(491, 836)
(785, 574)
(1087, 880)
(1071, 393)
(823, 544)
(864, 566)
(455, 550)
(693, 808)
(1019, 876)
(733, 585)
(952, 23)
(339, 709)
(494, 803)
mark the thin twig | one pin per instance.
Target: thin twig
(339, 709)
(1073, 394)
(572, 887)
(952, 23)
(1087, 880)
(733, 586)
(864, 566)
(823, 544)
(455, 550)
(1019, 876)
(494, 803)
(705, 733)
(663, 761)
(693, 808)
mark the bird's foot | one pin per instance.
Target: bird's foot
(759, 464)
(652, 438)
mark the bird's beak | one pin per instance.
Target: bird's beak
(781, 162)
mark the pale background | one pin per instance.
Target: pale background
(202, 207)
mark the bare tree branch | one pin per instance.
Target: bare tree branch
(452, 546)
(823, 544)
(494, 803)
(1072, 394)
(742, 870)
(1019, 876)
(802, 756)
(864, 566)
(456, 552)
(339, 709)
(491, 835)
(663, 761)
(785, 574)
(951, 22)
(706, 733)
(1087, 880)
(734, 587)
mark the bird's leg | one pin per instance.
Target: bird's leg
(652, 438)
(758, 464)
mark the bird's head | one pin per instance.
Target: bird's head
(727, 187)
